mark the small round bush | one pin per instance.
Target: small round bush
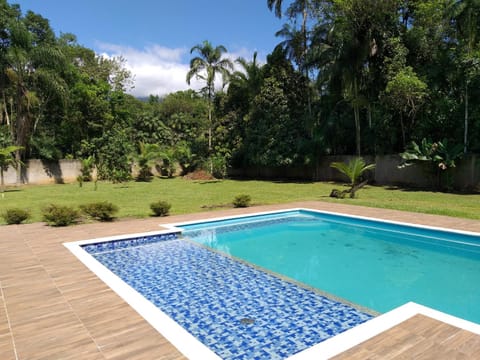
(242, 201)
(60, 215)
(160, 208)
(101, 211)
(15, 216)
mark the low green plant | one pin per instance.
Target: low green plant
(242, 201)
(60, 215)
(160, 208)
(218, 166)
(101, 211)
(441, 156)
(15, 216)
(354, 170)
(87, 165)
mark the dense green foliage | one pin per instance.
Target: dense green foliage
(348, 76)
(15, 216)
(60, 215)
(438, 159)
(242, 201)
(101, 211)
(160, 208)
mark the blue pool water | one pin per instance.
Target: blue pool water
(237, 310)
(374, 264)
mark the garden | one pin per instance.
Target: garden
(347, 77)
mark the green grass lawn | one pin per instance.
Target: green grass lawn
(187, 196)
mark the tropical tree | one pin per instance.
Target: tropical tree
(440, 157)
(250, 77)
(406, 93)
(206, 66)
(296, 41)
(7, 159)
(354, 169)
(33, 70)
(146, 157)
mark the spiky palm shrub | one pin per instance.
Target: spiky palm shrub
(354, 169)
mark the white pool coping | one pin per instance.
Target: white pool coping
(193, 349)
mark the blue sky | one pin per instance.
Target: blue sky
(155, 37)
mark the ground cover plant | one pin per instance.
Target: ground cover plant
(160, 208)
(186, 196)
(15, 216)
(101, 211)
(242, 200)
(60, 215)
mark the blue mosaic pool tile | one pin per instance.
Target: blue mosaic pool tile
(126, 243)
(248, 225)
(236, 310)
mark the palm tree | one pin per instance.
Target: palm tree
(250, 78)
(353, 170)
(297, 40)
(206, 66)
(277, 4)
(6, 159)
(349, 42)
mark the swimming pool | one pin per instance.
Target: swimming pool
(186, 294)
(378, 265)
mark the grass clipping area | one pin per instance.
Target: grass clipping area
(189, 196)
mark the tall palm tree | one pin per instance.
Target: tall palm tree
(250, 77)
(350, 41)
(206, 66)
(294, 44)
(294, 39)
(277, 4)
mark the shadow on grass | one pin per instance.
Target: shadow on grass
(430, 190)
(11, 191)
(204, 182)
(275, 181)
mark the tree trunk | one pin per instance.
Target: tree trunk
(402, 126)
(2, 183)
(356, 114)
(18, 160)
(465, 133)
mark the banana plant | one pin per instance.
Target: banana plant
(441, 155)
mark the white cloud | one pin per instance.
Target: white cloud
(158, 70)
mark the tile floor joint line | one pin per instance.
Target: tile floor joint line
(69, 305)
(8, 321)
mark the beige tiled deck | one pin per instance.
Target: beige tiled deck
(53, 307)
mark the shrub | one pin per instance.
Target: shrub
(86, 170)
(160, 208)
(242, 201)
(59, 215)
(101, 211)
(15, 216)
(218, 166)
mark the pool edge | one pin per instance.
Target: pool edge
(323, 350)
